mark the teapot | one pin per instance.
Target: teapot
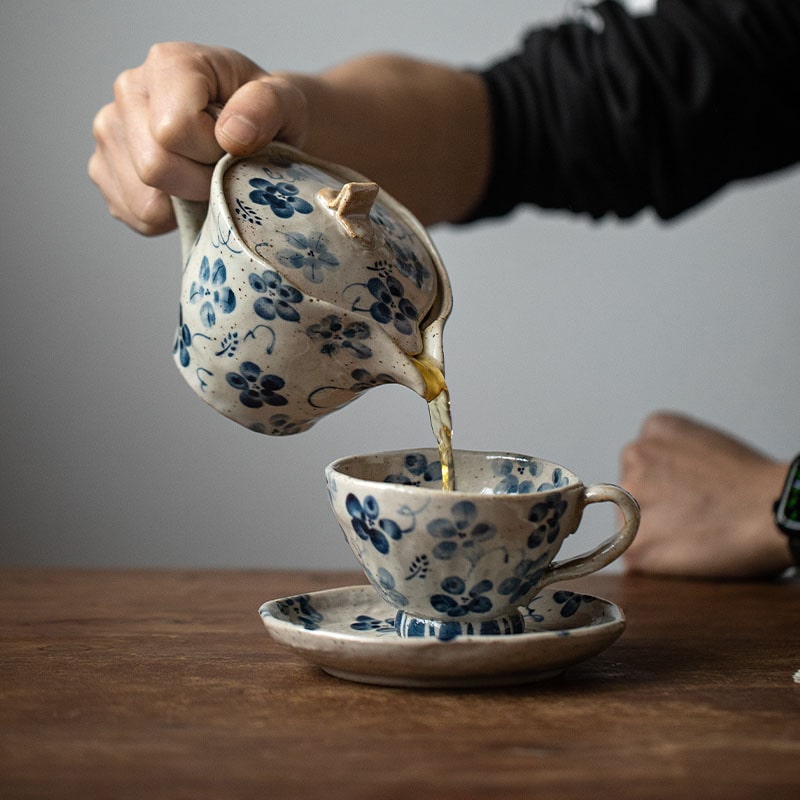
(304, 284)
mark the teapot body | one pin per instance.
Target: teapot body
(303, 286)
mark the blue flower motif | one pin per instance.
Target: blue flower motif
(419, 470)
(408, 264)
(256, 389)
(300, 609)
(557, 480)
(510, 483)
(310, 255)
(364, 622)
(284, 425)
(364, 379)
(547, 514)
(367, 525)
(384, 582)
(183, 341)
(281, 197)
(335, 334)
(570, 601)
(279, 298)
(526, 575)
(461, 532)
(457, 601)
(391, 305)
(210, 290)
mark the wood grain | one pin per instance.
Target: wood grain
(164, 684)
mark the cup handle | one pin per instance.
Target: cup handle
(607, 551)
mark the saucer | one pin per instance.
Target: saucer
(349, 633)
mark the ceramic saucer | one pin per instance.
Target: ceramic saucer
(349, 632)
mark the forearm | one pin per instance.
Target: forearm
(420, 130)
(654, 111)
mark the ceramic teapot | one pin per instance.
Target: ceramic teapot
(304, 284)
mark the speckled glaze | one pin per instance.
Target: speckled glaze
(463, 562)
(349, 632)
(303, 286)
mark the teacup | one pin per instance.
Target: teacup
(466, 561)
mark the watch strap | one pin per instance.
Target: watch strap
(787, 509)
(794, 547)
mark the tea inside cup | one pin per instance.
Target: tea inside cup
(464, 562)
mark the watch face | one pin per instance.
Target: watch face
(788, 511)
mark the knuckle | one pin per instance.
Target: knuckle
(102, 125)
(152, 213)
(161, 51)
(123, 83)
(169, 131)
(151, 166)
(661, 424)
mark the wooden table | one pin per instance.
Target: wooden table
(164, 684)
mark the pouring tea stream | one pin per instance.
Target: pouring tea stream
(304, 284)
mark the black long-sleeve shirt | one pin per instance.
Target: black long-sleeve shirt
(619, 113)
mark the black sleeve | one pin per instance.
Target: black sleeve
(617, 113)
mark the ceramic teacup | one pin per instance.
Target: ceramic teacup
(466, 561)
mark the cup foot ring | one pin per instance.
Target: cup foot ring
(409, 626)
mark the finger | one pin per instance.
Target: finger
(181, 83)
(259, 112)
(143, 208)
(147, 158)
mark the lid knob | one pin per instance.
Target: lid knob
(352, 205)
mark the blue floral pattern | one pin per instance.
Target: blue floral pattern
(457, 600)
(363, 379)
(510, 473)
(335, 335)
(299, 609)
(408, 264)
(366, 522)
(391, 305)
(183, 341)
(210, 291)
(283, 425)
(526, 575)
(280, 299)
(364, 622)
(547, 514)
(385, 583)
(282, 198)
(571, 602)
(417, 470)
(461, 531)
(310, 254)
(255, 389)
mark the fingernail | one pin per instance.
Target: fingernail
(240, 130)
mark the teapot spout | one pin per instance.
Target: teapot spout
(424, 372)
(190, 216)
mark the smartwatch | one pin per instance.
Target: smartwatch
(787, 509)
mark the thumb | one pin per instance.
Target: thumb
(259, 112)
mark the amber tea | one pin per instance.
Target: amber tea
(438, 397)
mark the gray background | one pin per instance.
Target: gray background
(565, 333)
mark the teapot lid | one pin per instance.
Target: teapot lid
(339, 238)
